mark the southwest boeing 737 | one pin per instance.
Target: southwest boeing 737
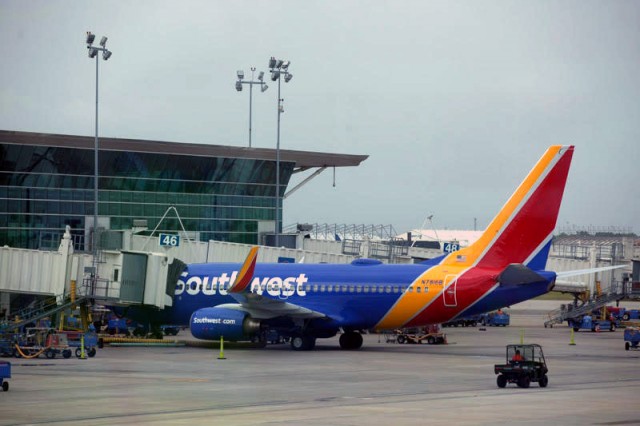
(506, 265)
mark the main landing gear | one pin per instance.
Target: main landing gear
(303, 343)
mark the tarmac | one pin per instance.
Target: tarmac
(594, 382)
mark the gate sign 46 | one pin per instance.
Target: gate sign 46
(169, 240)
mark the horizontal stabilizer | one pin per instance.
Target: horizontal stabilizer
(577, 272)
(518, 274)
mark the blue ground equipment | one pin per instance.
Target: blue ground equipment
(631, 338)
(5, 373)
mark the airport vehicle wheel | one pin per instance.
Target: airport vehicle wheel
(576, 329)
(613, 327)
(5, 386)
(544, 381)
(92, 352)
(78, 352)
(50, 353)
(625, 317)
(501, 380)
(626, 346)
(431, 340)
(66, 353)
(524, 381)
(401, 339)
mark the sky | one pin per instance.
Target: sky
(453, 101)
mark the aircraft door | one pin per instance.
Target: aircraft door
(449, 296)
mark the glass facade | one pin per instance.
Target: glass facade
(45, 188)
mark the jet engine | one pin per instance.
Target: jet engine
(213, 323)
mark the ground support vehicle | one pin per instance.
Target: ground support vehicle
(630, 314)
(588, 323)
(7, 344)
(495, 319)
(631, 338)
(431, 335)
(463, 322)
(5, 373)
(41, 340)
(74, 339)
(531, 368)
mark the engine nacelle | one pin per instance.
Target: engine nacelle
(213, 323)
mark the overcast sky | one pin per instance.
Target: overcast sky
(454, 101)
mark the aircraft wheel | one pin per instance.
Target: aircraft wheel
(431, 340)
(544, 381)
(92, 352)
(303, 343)
(50, 353)
(401, 339)
(66, 353)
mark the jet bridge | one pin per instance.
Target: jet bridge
(68, 278)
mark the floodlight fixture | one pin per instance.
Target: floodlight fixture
(240, 74)
(93, 52)
(90, 37)
(106, 54)
(264, 87)
(103, 41)
(239, 86)
(275, 75)
(285, 65)
(272, 61)
(261, 76)
(279, 63)
(287, 77)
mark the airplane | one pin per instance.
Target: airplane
(305, 302)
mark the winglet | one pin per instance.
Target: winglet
(245, 275)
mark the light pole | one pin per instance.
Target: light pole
(106, 54)
(263, 87)
(279, 68)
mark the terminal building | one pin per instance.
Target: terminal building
(221, 193)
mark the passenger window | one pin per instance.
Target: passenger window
(322, 288)
(388, 289)
(418, 289)
(366, 289)
(308, 287)
(344, 288)
(358, 289)
(315, 288)
(329, 288)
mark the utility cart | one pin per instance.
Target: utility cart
(524, 364)
(631, 338)
(5, 373)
